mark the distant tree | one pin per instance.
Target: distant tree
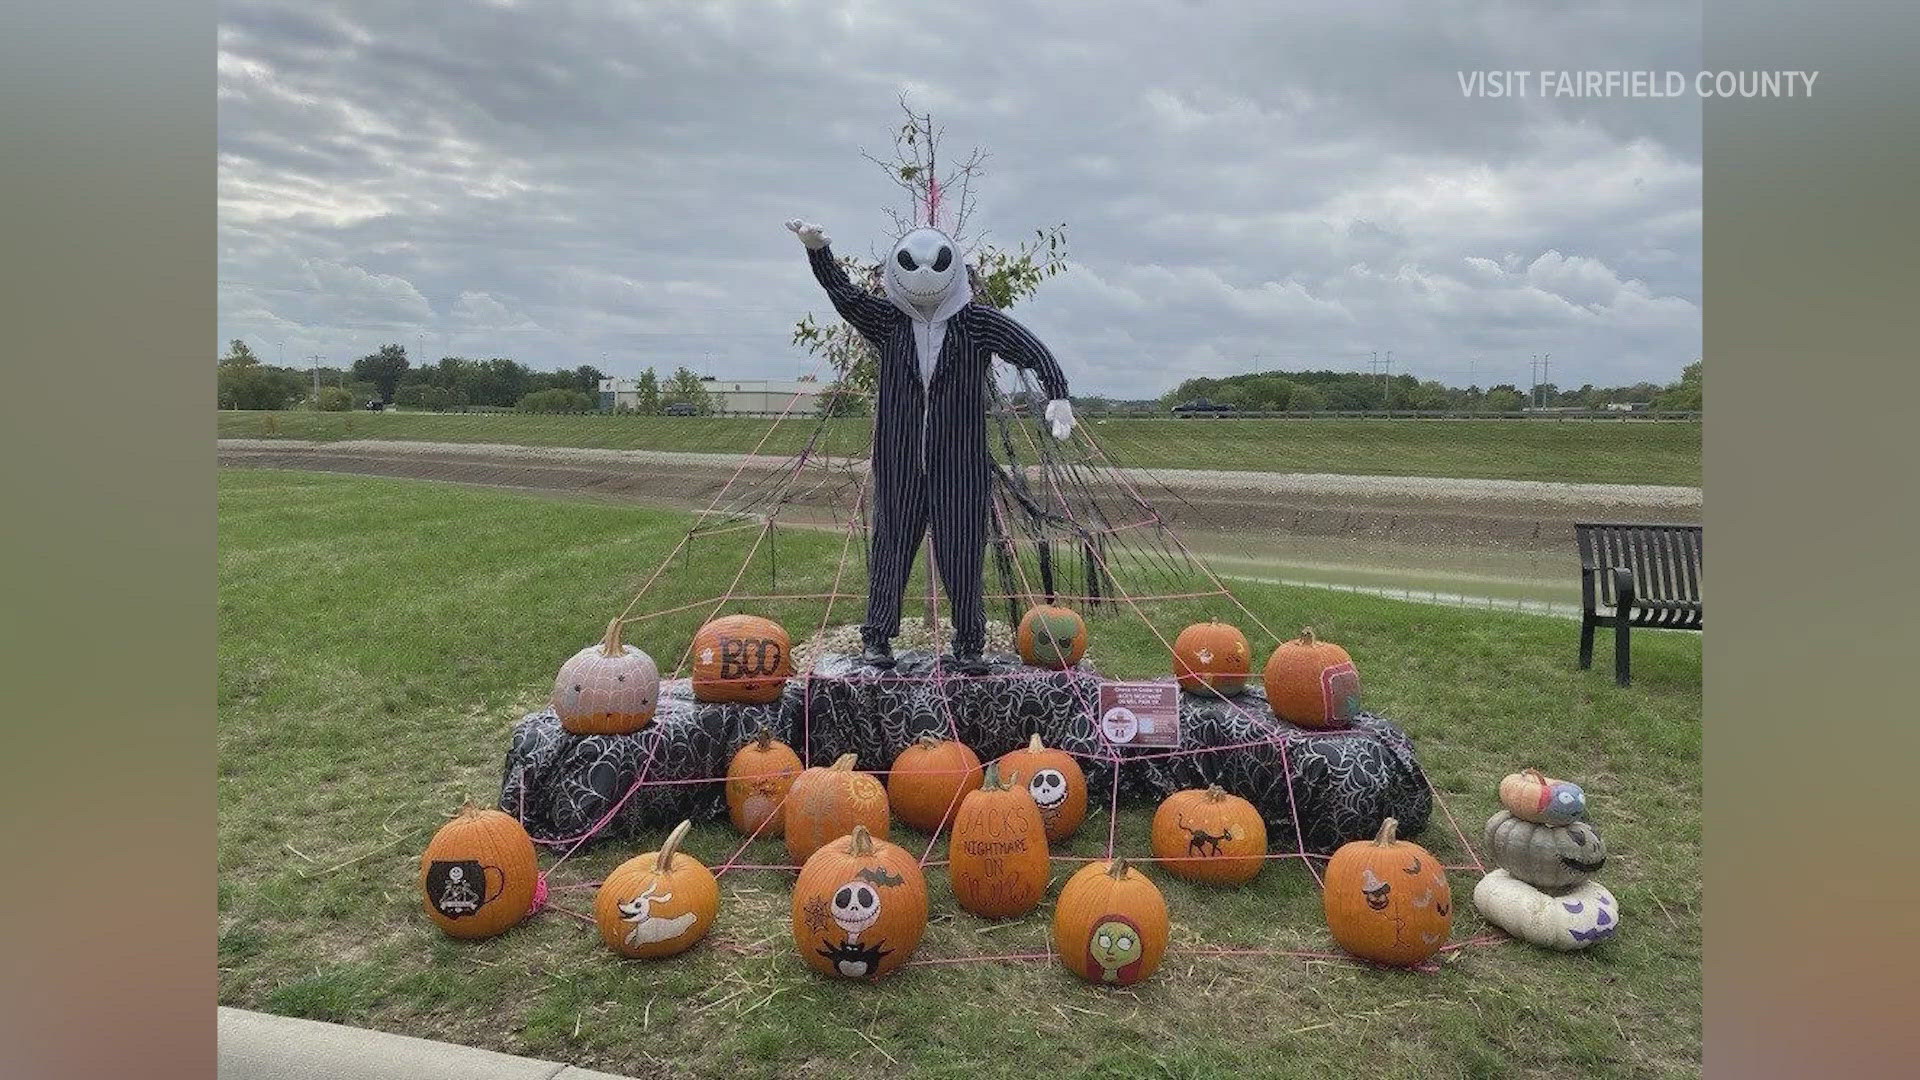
(1504, 398)
(334, 399)
(383, 369)
(254, 386)
(239, 356)
(1307, 399)
(1688, 393)
(647, 395)
(686, 386)
(555, 400)
(586, 379)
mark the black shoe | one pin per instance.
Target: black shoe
(965, 663)
(878, 654)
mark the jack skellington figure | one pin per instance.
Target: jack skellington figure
(930, 461)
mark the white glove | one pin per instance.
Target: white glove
(1060, 416)
(809, 234)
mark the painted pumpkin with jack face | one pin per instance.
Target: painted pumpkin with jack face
(607, 689)
(1546, 856)
(1567, 920)
(478, 873)
(859, 907)
(929, 779)
(1212, 656)
(998, 855)
(1110, 924)
(659, 903)
(1052, 637)
(1056, 783)
(1387, 900)
(1532, 796)
(826, 803)
(1205, 834)
(758, 779)
(1312, 683)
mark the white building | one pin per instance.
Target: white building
(731, 397)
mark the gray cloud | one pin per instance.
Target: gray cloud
(1245, 185)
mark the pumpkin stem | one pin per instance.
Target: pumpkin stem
(664, 861)
(610, 645)
(1386, 834)
(765, 738)
(1306, 635)
(1538, 776)
(860, 844)
(993, 782)
(927, 739)
(1118, 868)
(1034, 745)
(1215, 793)
(844, 763)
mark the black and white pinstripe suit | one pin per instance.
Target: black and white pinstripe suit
(930, 448)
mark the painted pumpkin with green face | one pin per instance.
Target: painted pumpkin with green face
(1051, 637)
(1548, 856)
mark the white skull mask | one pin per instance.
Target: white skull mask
(925, 276)
(855, 906)
(1048, 787)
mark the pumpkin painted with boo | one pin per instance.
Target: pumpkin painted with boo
(997, 858)
(1312, 683)
(1212, 657)
(825, 803)
(658, 903)
(1052, 637)
(758, 779)
(1547, 856)
(1387, 899)
(1056, 783)
(1571, 919)
(607, 689)
(929, 779)
(1205, 834)
(741, 658)
(478, 874)
(1110, 924)
(859, 907)
(1533, 796)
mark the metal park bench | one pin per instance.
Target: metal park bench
(1637, 575)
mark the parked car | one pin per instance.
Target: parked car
(682, 408)
(1202, 405)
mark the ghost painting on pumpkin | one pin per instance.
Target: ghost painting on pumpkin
(930, 463)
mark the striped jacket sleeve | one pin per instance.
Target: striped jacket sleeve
(1014, 344)
(869, 314)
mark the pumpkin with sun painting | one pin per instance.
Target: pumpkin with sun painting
(1387, 899)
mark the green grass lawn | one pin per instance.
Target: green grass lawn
(378, 639)
(1569, 450)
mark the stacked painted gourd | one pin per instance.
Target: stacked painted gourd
(1547, 853)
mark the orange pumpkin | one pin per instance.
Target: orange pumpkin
(478, 873)
(758, 779)
(1051, 636)
(1387, 900)
(928, 779)
(1110, 924)
(607, 689)
(741, 658)
(1212, 656)
(825, 803)
(998, 855)
(859, 907)
(659, 903)
(1056, 783)
(1205, 834)
(1312, 683)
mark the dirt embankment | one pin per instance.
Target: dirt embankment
(1515, 515)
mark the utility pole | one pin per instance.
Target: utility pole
(1546, 359)
(316, 358)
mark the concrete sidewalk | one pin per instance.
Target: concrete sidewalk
(258, 1046)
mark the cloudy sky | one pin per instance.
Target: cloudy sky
(1245, 185)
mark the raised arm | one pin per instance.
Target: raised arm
(870, 315)
(1014, 344)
